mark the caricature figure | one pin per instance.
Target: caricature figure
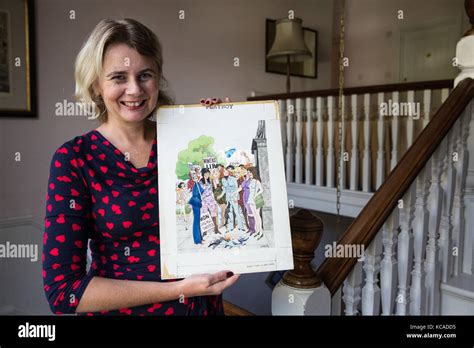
(209, 203)
(231, 190)
(181, 199)
(255, 189)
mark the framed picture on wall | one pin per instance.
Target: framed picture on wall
(307, 68)
(17, 59)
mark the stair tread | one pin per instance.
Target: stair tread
(462, 283)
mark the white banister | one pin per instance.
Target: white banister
(319, 146)
(366, 167)
(290, 112)
(308, 177)
(283, 120)
(426, 107)
(395, 130)
(354, 174)
(444, 94)
(371, 290)
(299, 141)
(420, 228)
(330, 153)
(447, 182)
(352, 290)
(411, 120)
(405, 249)
(388, 274)
(381, 141)
(435, 197)
(342, 150)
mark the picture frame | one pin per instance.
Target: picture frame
(307, 68)
(18, 96)
(223, 200)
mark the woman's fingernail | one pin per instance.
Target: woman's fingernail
(229, 274)
(208, 101)
(215, 100)
(203, 101)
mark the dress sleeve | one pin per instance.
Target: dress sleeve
(67, 224)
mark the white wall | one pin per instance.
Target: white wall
(373, 34)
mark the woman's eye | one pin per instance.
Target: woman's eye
(118, 78)
(145, 76)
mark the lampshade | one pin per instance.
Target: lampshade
(289, 40)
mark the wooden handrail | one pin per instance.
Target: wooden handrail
(410, 86)
(364, 228)
(231, 309)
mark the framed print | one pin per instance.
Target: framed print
(222, 197)
(307, 68)
(17, 59)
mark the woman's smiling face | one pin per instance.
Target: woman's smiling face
(128, 84)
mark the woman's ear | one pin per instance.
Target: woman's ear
(96, 91)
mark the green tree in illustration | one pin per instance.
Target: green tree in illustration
(197, 150)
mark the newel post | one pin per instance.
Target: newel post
(301, 291)
(465, 47)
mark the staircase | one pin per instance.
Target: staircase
(405, 179)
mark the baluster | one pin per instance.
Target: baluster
(426, 107)
(371, 290)
(420, 228)
(410, 121)
(435, 198)
(381, 142)
(447, 182)
(460, 174)
(283, 120)
(444, 94)
(351, 290)
(308, 177)
(366, 167)
(299, 141)
(405, 249)
(330, 155)
(388, 274)
(290, 112)
(342, 150)
(465, 258)
(355, 146)
(336, 302)
(319, 146)
(395, 129)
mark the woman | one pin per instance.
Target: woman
(103, 187)
(255, 189)
(196, 204)
(217, 175)
(181, 201)
(209, 203)
(246, 194)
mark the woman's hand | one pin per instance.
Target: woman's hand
(213, 101)
(207, 284)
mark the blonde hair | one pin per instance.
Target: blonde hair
(89, 60)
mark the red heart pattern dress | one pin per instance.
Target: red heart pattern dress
(96, 196)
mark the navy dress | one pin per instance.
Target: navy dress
(95, 194)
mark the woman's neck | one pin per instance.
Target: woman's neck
(130, 133)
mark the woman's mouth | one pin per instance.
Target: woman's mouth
(133, 105)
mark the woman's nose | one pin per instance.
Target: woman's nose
(134, 87)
